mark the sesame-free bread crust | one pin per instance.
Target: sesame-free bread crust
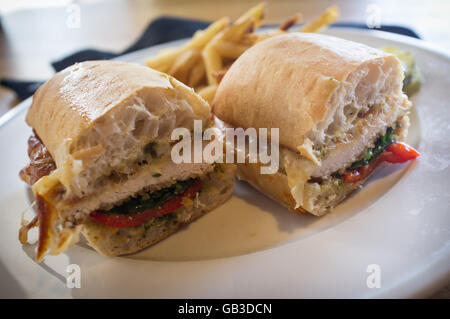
(297, 81)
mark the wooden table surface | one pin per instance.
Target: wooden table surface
(30, 38)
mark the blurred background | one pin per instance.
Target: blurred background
(34, 33)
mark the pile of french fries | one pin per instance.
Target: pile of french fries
(204, 59)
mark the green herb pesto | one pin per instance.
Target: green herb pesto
(380, 146)
(151, 200)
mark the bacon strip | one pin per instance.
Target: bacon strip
(41, 161)
(51, 237)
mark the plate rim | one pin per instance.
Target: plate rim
(425, 286)
(420, 43)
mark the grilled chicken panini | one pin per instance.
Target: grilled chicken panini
(100, 159)
(340, 111)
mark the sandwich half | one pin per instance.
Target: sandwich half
(100, 159)
(339, 108)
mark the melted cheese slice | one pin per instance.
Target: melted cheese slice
(298, 171)
(46, 183)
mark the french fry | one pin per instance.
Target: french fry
(205, 58)
(212, 56)
(290, 22)
(201, 38)
(328, 17)
(183, 64)
(235, 31)
(197, 74)
(213, 62)
(208, 92)
(219, 75)
(197, 33)
(250, 39)
(198, 42)
(163, 61)
(230, 50)
(255, 14)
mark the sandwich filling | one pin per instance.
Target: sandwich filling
(361, 126)
(150, 204)
(142, 208)
(328, 190)
(386, 149)
(318, 193)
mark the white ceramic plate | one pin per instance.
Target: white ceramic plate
(251, 247)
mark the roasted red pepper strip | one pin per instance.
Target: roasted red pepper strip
(397, 152)
(400, 153)
(138, 218)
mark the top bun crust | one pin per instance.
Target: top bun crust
(298, 82)
(97, 115)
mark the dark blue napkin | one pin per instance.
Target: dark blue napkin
(161, 30)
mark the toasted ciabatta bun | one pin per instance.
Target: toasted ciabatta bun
(330, 98)
(96, 118)
(311, 86)
(103, 131)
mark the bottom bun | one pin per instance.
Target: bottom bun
(111, 241)
(276, 187)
